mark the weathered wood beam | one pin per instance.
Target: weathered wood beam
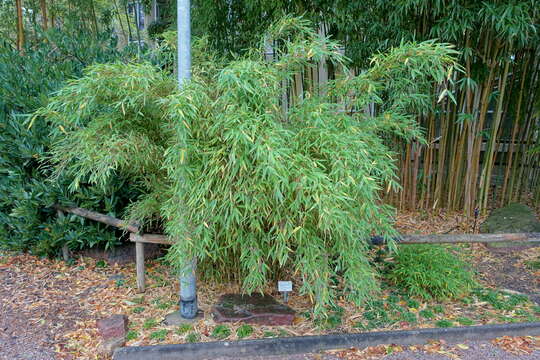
(151, 238)
(469, 238)
(105, 219)
(532, 238)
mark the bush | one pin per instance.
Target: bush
(244, 186)
(27, 220)
(430, 272)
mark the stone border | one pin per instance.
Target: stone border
(309, 344)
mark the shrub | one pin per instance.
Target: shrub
(243, 186)
(430, 271)
(27, 221)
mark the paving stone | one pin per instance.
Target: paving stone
(254, 309)
(113, 327)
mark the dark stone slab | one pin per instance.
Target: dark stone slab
(253, 309)
(513, 218)
(113, 327)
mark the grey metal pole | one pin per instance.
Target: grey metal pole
(188, 284)
(184, 41)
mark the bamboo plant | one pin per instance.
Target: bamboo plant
(246, 186)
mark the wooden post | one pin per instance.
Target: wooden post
(65, 249)
(139, 257)
(139, 241)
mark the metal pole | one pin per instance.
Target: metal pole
(188, 285)
(184, 41)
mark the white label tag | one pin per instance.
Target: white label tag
(284, 286)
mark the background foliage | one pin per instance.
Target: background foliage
(27, 220)
(480, 137)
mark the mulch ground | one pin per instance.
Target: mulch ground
(48, 309)
(506, 268)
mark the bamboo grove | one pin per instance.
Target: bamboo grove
(23, 22)
(481, 134)
(482, 139)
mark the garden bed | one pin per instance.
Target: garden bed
(76, 295)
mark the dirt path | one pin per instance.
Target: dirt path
(29, 326)
(38, 305)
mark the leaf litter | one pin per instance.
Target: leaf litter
(98, 292)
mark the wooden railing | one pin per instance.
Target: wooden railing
(141, 239)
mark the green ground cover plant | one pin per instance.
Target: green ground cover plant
(244, 331)
(184, 328)
(221, 332)
(132, 335)
(159, 335)
(192, 337)
(444, 323)
(431, 272)
(149, 323)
